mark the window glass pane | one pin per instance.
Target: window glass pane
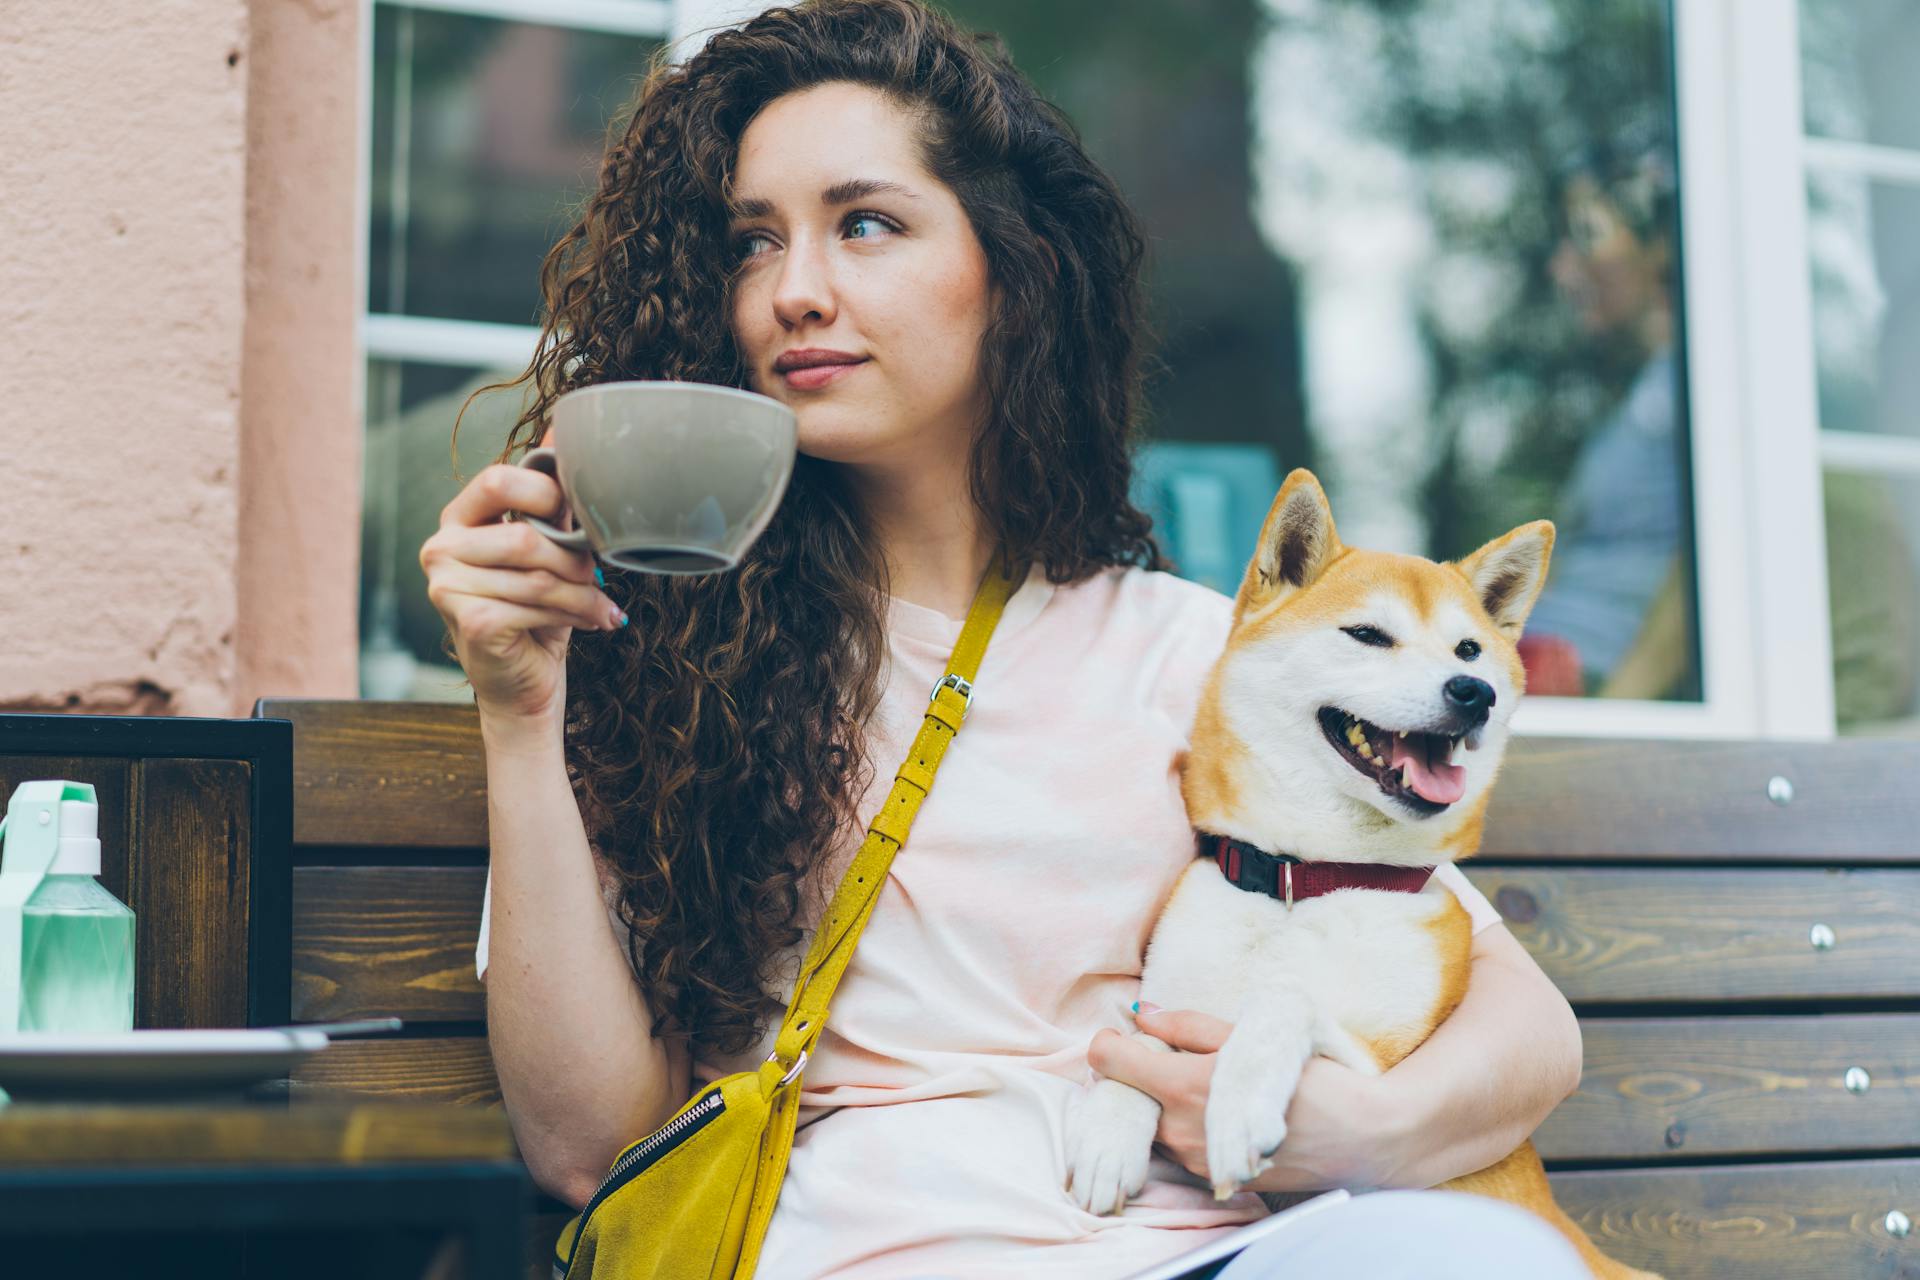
(483, 133)
(1428, 247)
(1873, 548)
(409, 477)
(1864, 241)
(1857, 63)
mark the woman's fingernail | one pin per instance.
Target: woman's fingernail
(1145, 1006)
(598, 576)
(620, 616)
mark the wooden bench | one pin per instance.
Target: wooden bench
(1685, 913)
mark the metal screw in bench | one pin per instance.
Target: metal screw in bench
(1779, 790)
(1821, 937)
(1898, 1224)
(1857, 1080)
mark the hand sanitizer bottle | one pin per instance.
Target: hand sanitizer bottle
(76, 940)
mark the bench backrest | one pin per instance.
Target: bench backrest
(1737, 924)
(389, 864)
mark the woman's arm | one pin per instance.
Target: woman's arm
(1478, 1087)
(570, 1030)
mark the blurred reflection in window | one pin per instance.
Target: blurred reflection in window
(1481, 198)
(1440, 267)
(1613, 618)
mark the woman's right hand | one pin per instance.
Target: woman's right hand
(510, 597)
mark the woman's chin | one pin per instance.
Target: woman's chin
(833, 434)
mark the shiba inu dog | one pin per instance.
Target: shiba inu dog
(1344, 746)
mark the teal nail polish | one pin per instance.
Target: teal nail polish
(1136, 1006)
(598, 576)
(623, 618)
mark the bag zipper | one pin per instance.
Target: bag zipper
(648, 1151)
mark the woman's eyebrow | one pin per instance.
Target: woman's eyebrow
(839, 193)
(860, 188)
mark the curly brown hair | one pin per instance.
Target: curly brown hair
(716, 744)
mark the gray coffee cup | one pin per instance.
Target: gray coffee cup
(666, 477)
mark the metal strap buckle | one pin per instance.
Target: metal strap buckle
(799, 1065)
(1288, 873)
(962, 687)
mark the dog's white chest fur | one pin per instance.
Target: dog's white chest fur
(1365, 959)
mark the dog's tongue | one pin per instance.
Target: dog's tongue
(1431, 779)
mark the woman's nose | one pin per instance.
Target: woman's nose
(804, 291)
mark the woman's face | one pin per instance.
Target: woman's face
(1611, 277)
(862, 293)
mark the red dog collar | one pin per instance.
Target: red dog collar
(1292, 880)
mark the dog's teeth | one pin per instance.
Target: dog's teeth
(1364, 748)
(1355, 736)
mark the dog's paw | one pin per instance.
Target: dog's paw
(1246, 1123)
(1109, 1141)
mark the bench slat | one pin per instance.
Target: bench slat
(1744, 1086)
(1567, 798)
(1658, 1087)
(399, 940)
(386, 774)
(438, 1069)
(380, 941)
(1646, 935)
(1736, 1222)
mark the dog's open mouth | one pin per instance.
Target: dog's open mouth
(1420, 770)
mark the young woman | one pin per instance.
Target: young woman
(855, 209)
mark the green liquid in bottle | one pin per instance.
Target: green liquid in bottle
(76, 958)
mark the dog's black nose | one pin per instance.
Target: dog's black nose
(1470, 697)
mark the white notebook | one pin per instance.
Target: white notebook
(1220, 1248)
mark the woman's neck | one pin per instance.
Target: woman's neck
(935, 544)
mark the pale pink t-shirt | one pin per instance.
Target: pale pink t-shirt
(1010, 930)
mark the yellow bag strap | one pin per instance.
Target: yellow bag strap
(859, 890)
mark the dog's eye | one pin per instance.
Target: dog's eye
(1467, 650)
(1370, 635)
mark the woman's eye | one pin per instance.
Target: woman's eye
(863, 226)
(749, 245)
(1370, 636)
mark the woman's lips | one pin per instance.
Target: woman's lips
(816, 376)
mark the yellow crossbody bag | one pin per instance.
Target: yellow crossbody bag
(693, 1198)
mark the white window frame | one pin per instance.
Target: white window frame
(1756, 444)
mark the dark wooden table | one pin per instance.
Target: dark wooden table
(313, 1186)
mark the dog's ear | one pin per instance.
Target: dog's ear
(1297, 543)
(1508, 572)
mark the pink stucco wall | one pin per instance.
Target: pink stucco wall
(175, 357)
(299, 555)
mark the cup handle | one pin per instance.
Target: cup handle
(545, 460)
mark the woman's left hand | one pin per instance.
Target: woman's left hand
(1478, 1086)
(1343, 1128)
